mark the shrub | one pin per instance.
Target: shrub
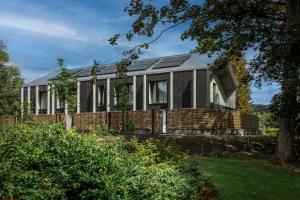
(129, 127)
(43, 161)
(271, 132)
(100, 130)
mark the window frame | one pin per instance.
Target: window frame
(100, 96)
(154, 85)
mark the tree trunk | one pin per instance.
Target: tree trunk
(290, 82)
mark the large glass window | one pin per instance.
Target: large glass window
(101, 96)
(158, 92)
(215, 94)
(129, 88)
(130, 93)
(43, 100)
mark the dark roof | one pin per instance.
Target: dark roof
(172, 62)
(183, 60)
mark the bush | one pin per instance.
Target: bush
(43, 161)
(100, 130)
(271, 132)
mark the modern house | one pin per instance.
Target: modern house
(164, 85)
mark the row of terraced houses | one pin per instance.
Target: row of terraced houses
(174, 94)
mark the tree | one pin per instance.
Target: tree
(270, 27)
(94, 71)
(121, 93)
(243, 83)
(65, 88)
(11, 82)
(242, 77)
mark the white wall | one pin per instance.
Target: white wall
(220, 91)
(228, 101)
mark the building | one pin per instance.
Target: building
(161, 85)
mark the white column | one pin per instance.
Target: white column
(22, 101)
(52, 101)
(194, 88)
(134, 94)
(108, 95)
(66, 108)
(48, 99)
(28, 98)
(94, 98)
(171, 90)
(78, 97)
(144, 92)
(37, 105)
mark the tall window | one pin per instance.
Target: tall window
(130, 93)
(158, 92)
(59, 104)
(215, 94)
(129, 88)
(43, 100)
(101, 96)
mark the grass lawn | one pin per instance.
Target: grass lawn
(251, 179)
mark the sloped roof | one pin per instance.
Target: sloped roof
(155, 64)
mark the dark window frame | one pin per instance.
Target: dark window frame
(157, 97)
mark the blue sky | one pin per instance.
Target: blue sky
(37, 32)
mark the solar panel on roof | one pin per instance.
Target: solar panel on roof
(109, 69)
(171, 62)
(85, 72)
(142, 64)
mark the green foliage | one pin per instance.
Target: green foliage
(242, 77)
(267, 120)
(100, 130)
(129, 127)
(65, 87)
(121, 95)
(11, 82)
(270, 28)
(259, 108)
(250, 179)
(43, 161)
(271, 132)
(94, 71)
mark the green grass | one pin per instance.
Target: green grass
(251, 179)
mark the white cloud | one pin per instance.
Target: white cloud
(45, 27)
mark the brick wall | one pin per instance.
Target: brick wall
(51, 118)
(83, 120)
(178, 120)
(142, 120)
(9, 120)
(206, 119)
(245, 120)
